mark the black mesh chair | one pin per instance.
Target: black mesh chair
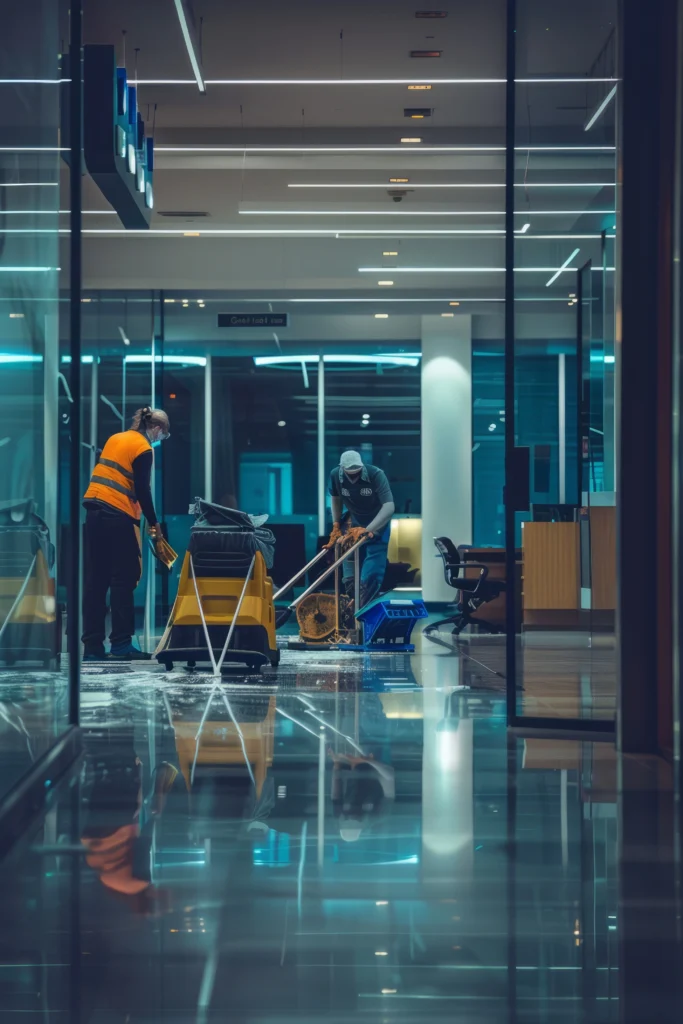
(473, 591)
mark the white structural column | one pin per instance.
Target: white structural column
(446, 443)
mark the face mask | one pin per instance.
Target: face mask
(157, 441)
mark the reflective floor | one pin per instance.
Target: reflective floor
(354, 836)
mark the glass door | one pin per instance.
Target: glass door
(559, 410)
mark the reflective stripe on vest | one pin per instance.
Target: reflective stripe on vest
(105, 482)
(117, 466)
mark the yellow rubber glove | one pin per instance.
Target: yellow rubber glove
(334, 536)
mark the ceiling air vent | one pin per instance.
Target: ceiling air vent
(431, 14)
(417, 112)
(425, 53)
(183, 214)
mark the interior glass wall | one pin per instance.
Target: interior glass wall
(33, 686)
(564, 192)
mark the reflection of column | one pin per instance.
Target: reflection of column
(447, 787)
(208, 431)
(446, 443)
(50, 424)
(322, 476)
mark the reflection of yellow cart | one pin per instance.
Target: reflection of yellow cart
(30, 628)
(224, 746)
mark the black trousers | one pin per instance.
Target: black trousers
(112, 563)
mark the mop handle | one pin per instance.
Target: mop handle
(283, 590)
(329, 570)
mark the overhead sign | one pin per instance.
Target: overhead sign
(253, 319)
(118, 155)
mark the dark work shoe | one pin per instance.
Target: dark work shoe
(129, 653)
(99, 655)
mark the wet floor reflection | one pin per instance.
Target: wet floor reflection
(352, 836)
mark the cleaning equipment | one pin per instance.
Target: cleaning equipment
(30, 624)
(224, 607)
(327, 621)
(163, 551)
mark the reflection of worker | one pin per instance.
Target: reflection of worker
(366, 493)
(119, 492)
(361, 789)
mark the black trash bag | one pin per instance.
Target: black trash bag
(227, 531)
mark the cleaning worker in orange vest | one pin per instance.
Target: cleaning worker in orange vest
(119, 492)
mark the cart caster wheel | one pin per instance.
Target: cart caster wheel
(191, 664)
(275, 659)
(169, 666)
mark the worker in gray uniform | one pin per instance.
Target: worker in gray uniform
(365, 492)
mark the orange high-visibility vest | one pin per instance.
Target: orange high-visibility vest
(112, 480)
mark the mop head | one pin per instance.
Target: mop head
(317, 619)
(163, 551)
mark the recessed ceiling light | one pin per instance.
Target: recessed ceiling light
(86, 300)
(453, 303)
(191, 234)
(448, 314)
(417, 112)
(282, 423)
(381, 952)
(16, 316)
(378, 316)
(425, 53)
(390, 252)
(416, 88)
(385, 283)
(399, 181)
(411, 140)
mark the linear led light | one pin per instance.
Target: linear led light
(384, 360)
(84, 359)
(431, 270)
(189, 45)
(563, 267)
(47, 213)
(29, 184)
(376, 149)
(181, 360)
(600, 109)
(581, 80)
(414, 213)
(525, 185)
(411, 140)
(6, 357)
(33, 149)
(25, 270)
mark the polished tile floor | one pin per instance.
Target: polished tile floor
(352, 837)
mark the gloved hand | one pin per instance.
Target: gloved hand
(334, 536)
(155, 532)
(353, 535)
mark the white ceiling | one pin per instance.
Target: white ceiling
(251, 39)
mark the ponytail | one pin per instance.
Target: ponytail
(142, 419)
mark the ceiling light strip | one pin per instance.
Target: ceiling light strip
(377, 149)
(563, 267)
(187, 30)
(581, 80)
(600, 109)
(501, 184)
(416, 213)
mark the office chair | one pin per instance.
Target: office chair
(473, 592)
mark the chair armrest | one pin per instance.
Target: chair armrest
(475, 565)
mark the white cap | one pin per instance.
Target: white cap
(351, 460)
(350, 829)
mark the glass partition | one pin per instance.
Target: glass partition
(563, 417)
(33, 679)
